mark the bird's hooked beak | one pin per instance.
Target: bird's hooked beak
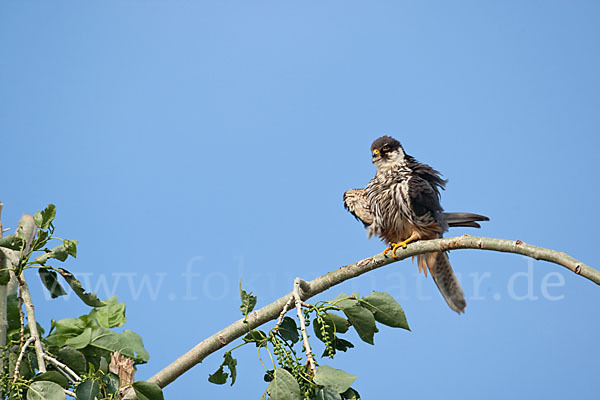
(376, 153)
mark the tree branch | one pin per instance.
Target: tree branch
(322, 283)
(20, 358)
(4, 264)
(5, 290)
(33, 331)
(298, 302)
(63, 369)
(6, 256)
(27, 225)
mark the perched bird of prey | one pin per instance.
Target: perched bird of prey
(401, 204)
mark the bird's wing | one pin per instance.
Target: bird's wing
(423, 196)
(428, 173)
(355, 201)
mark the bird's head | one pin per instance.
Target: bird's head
(386, 151)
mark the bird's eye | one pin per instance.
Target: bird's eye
(385, 148)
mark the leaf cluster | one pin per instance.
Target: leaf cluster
(91, 337)
(290, 378)
(82, 346)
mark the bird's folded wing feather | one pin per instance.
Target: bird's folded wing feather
(355, 201)
(423, 196)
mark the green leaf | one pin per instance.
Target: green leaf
(25, 369)
(65, 329)
(53, 376)
(44, 218)
(87, 390)
(111, 383)
(12, 242)
(289, 330)
(342, 344)
(326, 394)
(50, 280)
(219, 377)
(133, 347)
(257, 337)
(80, 341)
(71, 246)
(60, 252)
(340, 324)
(45, 390)
(12, 310)
(335, 323)
(88, 298)
(73, 358)
(386, 310)
(248, 301)
(361, 319)
(317, 328)
(333, 378)
(41, 239)
(4, 277)
(128, 343)
(69, 326)
(351, 394)
(148, 391)
(283, 387)
(231, 363)
(112, 315)
(103, 365)
(344, 301)
(268, 377)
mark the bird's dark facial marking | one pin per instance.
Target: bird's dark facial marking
(384, 145)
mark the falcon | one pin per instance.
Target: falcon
(401, 204)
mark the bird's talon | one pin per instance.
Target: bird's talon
(394, 246)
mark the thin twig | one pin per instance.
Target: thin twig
(285, 309)
(298, 301)
(33, 331)
(65, 374)
(72, 394)
(20, 358)
(319, 285)
(73, 376)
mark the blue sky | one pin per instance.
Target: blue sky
(218, 137)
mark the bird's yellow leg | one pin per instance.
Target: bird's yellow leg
(394, 246)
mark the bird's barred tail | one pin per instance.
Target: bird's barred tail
(454, 219)
(446, 281)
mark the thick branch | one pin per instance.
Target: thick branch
(319, 285)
